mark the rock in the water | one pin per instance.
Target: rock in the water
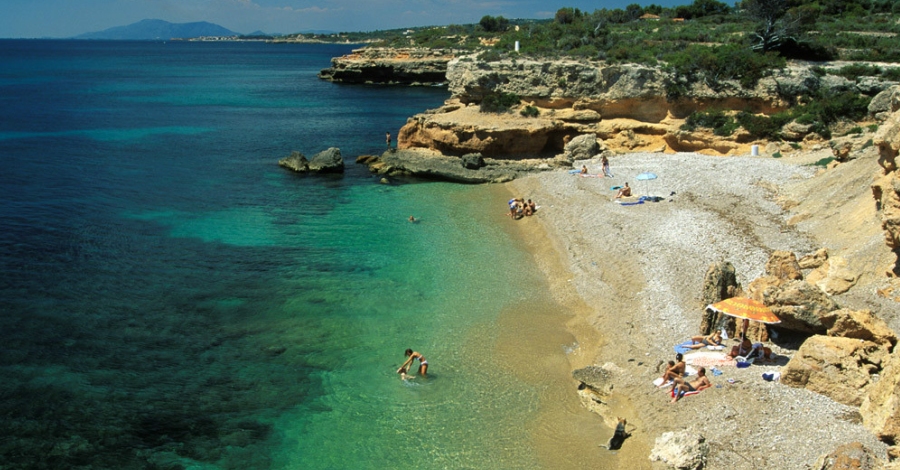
(295, 162)
(327, 161)
(596, 378)
(682, 450)
(839, 368)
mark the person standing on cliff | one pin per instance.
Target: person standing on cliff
(388, 139)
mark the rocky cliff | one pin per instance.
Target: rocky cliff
(388, 66)
(630, 107)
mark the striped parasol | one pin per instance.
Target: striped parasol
(745, 309)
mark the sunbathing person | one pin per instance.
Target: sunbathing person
(584, 170)
(749, 350)
(682, 386)
(675, 369)
(698, 342)
(624, 191)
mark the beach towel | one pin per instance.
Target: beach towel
(640, 201)
(708, 359)
(682, 348)
(685, 394)
(615, 188)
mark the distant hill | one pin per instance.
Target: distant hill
(159, 29)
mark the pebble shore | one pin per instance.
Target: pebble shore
(639, 270)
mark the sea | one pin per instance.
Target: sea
(171, 298)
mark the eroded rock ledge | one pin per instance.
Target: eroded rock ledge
(629, 107)
(388, 66)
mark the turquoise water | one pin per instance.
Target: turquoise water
(171, 298)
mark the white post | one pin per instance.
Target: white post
(517, 46)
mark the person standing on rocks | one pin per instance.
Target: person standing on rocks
(387, 138)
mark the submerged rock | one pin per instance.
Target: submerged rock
(326, 161)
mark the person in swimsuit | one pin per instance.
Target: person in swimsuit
(605, 162)
(412, 356)
(675, 370)
(698, 342)
(584, 170)
(624, 191)
(403, 374)
(682, 386)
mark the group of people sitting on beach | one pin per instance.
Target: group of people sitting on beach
(674, 376)
(674, 373)
(519, 207)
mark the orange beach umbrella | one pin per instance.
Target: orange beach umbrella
(745, 309)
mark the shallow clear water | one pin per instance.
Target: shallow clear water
(171, 297)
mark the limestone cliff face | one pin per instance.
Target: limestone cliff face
(629, 106)
(390, 66)
(886, 187)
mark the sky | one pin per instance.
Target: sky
(67, 18)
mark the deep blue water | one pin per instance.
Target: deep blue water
(171, 298)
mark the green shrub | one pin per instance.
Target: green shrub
(872, 127)
(776, 155)
(721, 124)
(795, 146)
(892, 73)
(823, 162)
(490, 55)
(763, 127)
(855, 130)
(868, 144)
(499, 102)
(854, 71)
(530, 111)
(818, 70)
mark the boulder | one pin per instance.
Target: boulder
(860, 324)
(799, 305)
(682, 450)
(784, 266)
(582, 147)
(596, 378)
(472, 161)
(813, 260)
(296, 161)
(841, 150)
(834, 276)
(852, 456)
(880, 408)
(839, 368)
(885, 103)
(795, 131)
(327, 161)
(720, 283)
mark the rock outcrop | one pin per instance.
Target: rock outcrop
(720, 283)
(628, 106)
(839, 368)
(682, 450)
(852, 456)
(860, 324)
(470, 168)
(886, 188)
(880, 408)
(326, 161)
(388, 66)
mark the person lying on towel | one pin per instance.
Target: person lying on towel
(698, 342)
(682, 386)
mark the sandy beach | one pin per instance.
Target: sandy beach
(631, 276)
